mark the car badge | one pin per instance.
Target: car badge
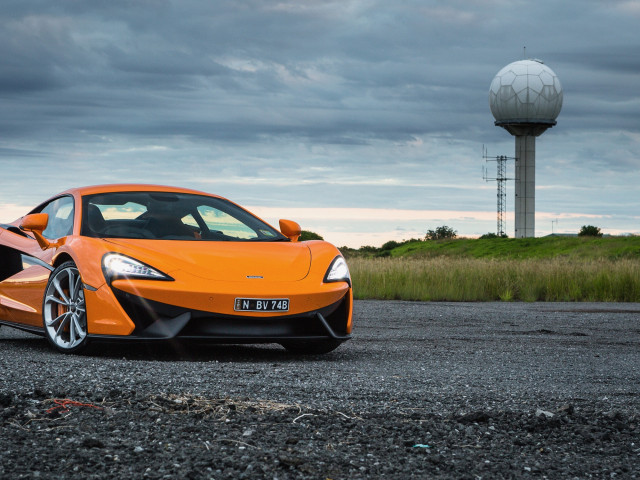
(255, 276)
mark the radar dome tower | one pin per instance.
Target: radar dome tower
(525, 98)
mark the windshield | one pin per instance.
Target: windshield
(171, 216)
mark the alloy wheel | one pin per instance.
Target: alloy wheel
(64, 311)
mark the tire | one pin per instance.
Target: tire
(311, 347)
(64, 314)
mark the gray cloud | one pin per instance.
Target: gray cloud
(272, 89)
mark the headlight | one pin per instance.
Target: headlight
(116, 265)
(338, 271)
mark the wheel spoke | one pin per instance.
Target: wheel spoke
(63, 323)
(56, 284)
(70, 281)
(72, 284)
(75, 287)
(78, 327)
(79, 288)
(52, 322)
(72, 329)
(51, 298)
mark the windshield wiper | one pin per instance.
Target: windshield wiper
(275, 239)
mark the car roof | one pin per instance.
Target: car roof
(132, 187)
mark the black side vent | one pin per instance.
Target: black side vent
(337, 320)
(144, 312)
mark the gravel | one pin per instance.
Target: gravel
(424, 390)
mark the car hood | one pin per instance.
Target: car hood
(230, 261)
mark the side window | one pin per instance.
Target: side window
(189, 220)
(60, 213)
(220, 222)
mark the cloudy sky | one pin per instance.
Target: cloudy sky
(363, 120)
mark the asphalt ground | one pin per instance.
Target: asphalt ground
(424, 390)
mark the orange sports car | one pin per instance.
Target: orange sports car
(145, 263)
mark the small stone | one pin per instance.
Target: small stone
(474, 417)
(138, 449)
(5, 400)
(568, 409)
(91, 443)
(540, 413)
(290, 460)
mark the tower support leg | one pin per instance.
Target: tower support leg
(525, 211)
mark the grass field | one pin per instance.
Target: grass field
(537, 269)
(580, 248)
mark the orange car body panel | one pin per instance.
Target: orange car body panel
(207, 275)
(107, 316)
(227, 261)
(21, 295)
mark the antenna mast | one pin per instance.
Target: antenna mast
(501, 179)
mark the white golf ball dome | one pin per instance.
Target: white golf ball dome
(526, 91)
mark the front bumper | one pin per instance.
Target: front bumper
(160, 321)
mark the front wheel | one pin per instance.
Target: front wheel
(64, 313)
(311, 347)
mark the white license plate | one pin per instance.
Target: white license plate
(261, 305)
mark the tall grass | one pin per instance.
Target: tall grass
(481, 279)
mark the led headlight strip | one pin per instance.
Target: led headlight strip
(338, 271)
(117, 265)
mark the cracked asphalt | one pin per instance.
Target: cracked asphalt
(424, 390)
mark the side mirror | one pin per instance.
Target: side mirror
(290, 229)
(36, 223)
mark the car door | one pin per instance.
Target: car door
(25, 267)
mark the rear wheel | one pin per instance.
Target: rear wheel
(64, 312)
(311, 347)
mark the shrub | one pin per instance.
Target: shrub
(493, 235)
(390, 245)
(589, 231)
(441, 233)
(307, 235)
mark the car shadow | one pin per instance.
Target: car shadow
(176, 351)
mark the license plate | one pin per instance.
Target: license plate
(261, 305)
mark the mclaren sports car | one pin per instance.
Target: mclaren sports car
(154, 263)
